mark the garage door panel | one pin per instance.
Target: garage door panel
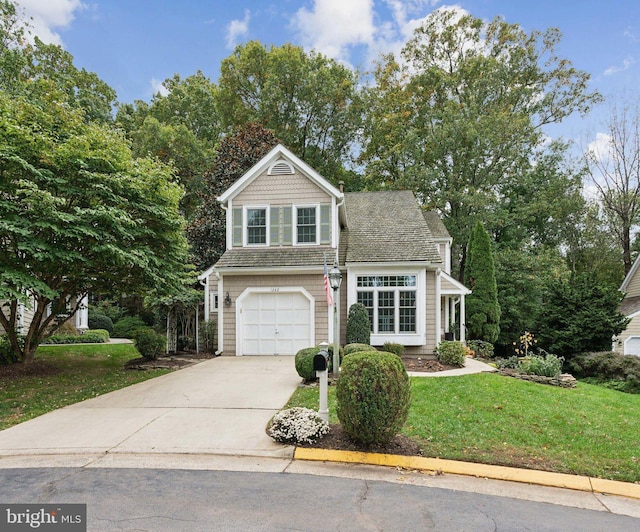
(276, 323)
(632, 346)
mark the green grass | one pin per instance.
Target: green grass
(492, 419)
(74, 373)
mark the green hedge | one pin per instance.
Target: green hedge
(452, 353)
(92, 336)
(149, 343)
(127, 326)
(373, 396)
(356, 348)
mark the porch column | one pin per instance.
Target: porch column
(463, 319)
(438, 310)
(82, 314)
(447, 318)
(452, 310)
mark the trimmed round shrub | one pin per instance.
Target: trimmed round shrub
(149, 343)
(304, 361)
(356, 348)
(297, 425)
(100, 321)
(481, 348)
(358, 325)
(125, 327)
(452, 353)
(396, 349)
(373, 397)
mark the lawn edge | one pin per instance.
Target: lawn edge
(513, 474)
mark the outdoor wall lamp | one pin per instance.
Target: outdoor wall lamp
(227, 300)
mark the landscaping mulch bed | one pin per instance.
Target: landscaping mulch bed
(37, 368)
(173, 361)
(424, 365)
(336, 439)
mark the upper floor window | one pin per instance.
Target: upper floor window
(306, 224)
(256, 226)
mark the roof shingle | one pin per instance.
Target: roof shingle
(387, 226)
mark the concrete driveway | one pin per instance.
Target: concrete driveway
(220, 406)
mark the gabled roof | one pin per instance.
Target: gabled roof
(279, 152)
(630, 275)
(436, 226)
(630, 305)
(450, 286)
(387, 226)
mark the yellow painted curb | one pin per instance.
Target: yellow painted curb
(528, 476)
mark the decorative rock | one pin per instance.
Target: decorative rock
(564, 381)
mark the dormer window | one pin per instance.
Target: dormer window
(307, 225)
(256, 226)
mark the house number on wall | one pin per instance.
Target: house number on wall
(275, 290)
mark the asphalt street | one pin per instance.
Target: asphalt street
(194, 500)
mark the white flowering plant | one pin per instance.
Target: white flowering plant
(297, 425)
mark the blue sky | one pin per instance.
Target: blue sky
(135, 44)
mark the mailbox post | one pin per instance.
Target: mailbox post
(320, 364)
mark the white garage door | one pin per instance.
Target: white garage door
(632, 346)
(275, 323)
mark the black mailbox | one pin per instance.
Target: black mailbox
(320, 361)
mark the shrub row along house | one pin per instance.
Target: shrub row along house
(284, 221)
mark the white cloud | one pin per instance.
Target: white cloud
(335, 25)
(626, 64)
(237, 29)
(48, 15)
(599, 148)
(158, 87)
(630, 35)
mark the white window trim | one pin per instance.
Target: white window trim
(624, 349)
(245, 225)
(295, 223)
(417, 338)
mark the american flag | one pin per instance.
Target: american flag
(327, 285)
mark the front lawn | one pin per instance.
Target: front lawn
(63, 375)
(492, 419)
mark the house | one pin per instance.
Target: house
(284, 220)
(24, 315)
(628, 341)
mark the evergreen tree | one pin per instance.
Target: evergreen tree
(483, 309)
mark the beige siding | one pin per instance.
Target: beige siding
(27, 316)
(293, 189)
(633, 289)
(633, 329)
(235, 285)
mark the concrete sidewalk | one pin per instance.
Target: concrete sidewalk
(220, 406)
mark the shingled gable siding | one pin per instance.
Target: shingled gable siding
(633, 289)
(236, 284)
(633, 329)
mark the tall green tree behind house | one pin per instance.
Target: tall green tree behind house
(458, 117)
(581, 315)
(181, 128)
(309, 101)
(236, 154)
(483, 310)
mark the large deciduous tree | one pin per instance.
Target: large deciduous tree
(613, 161)
(309, 101)
(459, 116)
(79, 214)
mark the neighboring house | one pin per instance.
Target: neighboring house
(80, 319)
(628, 341)
(284, 220)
